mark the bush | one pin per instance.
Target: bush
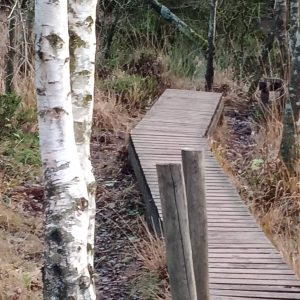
(8, 107)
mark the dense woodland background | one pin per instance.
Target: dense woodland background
(139, 55)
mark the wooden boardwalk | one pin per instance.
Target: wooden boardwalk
(243, 264)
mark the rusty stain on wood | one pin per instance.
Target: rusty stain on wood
(243, 264)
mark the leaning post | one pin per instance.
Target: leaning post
(194, 176)
(176, 231)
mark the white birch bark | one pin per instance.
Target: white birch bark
(82, 20)
(65, 274)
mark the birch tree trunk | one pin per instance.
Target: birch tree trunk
(82, 20)
(209, 76)
(66, 273)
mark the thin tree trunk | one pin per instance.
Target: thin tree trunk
(281, 10)
(65, 274)
(29, 29)
(209, 76)
(179, 24)
(29, 19)
(109, 39)
(291, 137)
(82, 20)
(10, 57)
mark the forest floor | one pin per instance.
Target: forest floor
(129, 262)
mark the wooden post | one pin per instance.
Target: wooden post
(176, 231)
(194, 176)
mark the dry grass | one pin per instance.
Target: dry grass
(110, 114)
(259, 174)
(152, 280)
(20, 248)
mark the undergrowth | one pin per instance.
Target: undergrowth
(20, 224)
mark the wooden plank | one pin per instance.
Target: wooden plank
(242, 246)
(241, 266)
(214, 297)
(242, 251)
(219, 228)
(242, 272)
(262, 295)
(215, 119)
(251, 287)
(257, 276)
(257, 281)
(245, 255)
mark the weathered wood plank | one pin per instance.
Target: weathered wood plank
(256, 276)
(242, 272)
(257, 281)
(259, 294)
(215, 119)
(178, 249)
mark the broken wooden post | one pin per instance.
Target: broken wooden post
(176, 231)
(194, 176)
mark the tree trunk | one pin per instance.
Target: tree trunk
(209, 76)
(278, 31)
(29, 29)
(179, 24)
(10, 57)
(82, 20)
(267, 47)
(291, 135)
(29, 19)
(281, 10)
(65, 274)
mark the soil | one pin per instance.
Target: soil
(119, 207)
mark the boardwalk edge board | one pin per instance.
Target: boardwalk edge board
(243, 264)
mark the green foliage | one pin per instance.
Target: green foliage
(19, 147)
(130, 88)
(256, 164)
(186, 61)
(23, 147)
(19, 153)
(8, 106)
(241, 30)
(127, 83)
(26, 280)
